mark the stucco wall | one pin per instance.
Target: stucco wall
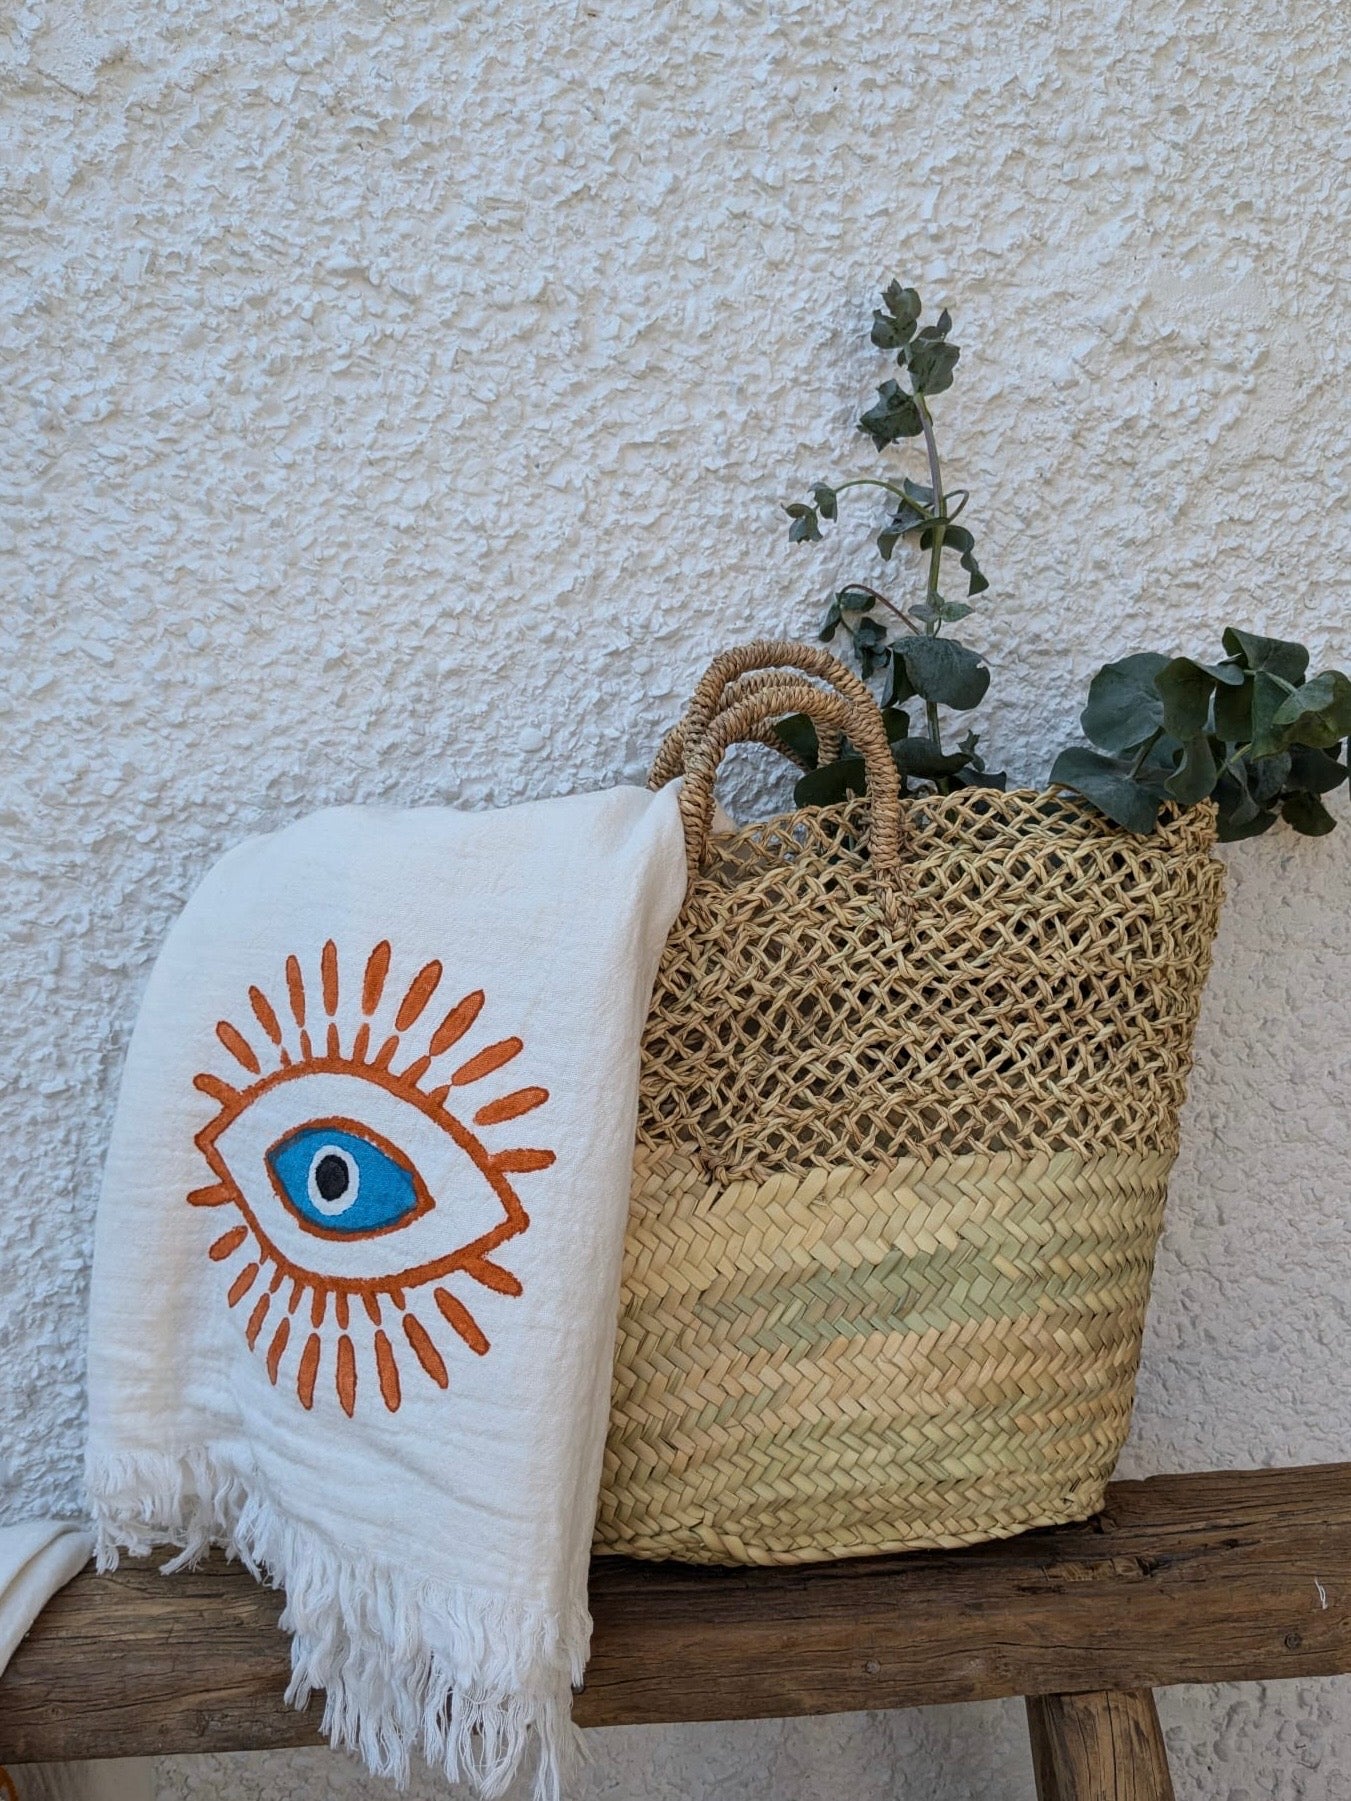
(395, 404)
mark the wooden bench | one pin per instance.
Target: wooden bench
(1235, 1576)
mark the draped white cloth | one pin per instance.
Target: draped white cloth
(36, 1558)
(358, 1251)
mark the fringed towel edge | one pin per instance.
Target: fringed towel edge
(474, 1682)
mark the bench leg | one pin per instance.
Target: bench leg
(1105, 1746)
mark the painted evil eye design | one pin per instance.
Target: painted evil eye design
(336, 1179)
(364, 1174)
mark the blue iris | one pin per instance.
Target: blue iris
(340, 1182)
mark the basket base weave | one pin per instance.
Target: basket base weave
(831, 1363)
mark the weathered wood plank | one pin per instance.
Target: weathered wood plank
(1234, 1576)
(1098, 1747)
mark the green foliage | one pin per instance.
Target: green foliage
(938, 669)
(1124, 706)
(1106, 782)
(894, 415)
(1252, 730)
(906, 648)
(924, 352)
(1249, 730)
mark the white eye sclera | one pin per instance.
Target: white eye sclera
(334, 1180)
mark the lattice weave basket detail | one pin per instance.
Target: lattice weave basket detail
(909, 1102)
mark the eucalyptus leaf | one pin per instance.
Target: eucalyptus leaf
(893, 415)
(1315, 771)
(889, 333)
(831, 782)
(902, 303)
(977, 584)
(1158, 757)
(1269, 694)
(931, 362)
(940, 328)
(905, 519)
(981, 778)
(1318, 714)
(900, 688)
(1307, 814)
(1108, 784)
(896, 325)
(947, 612)
(1124, 706)
(1234, 798)
(941, 669)
(1195, 777)
(798, 732)
(870, 641)
(922, 757)
(1186, 688)
(1233, 711)
(1231, 831)
(805, 527)
(1277, 656)
(1267, 776)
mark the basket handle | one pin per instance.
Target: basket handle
(742, 722)
(749, 669)
(669, 761)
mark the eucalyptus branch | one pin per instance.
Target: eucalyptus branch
(871, 481)
(874, 594)
(924, 666)
(1254, 731)
(933, 598)
(935, 482)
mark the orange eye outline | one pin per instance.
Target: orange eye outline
(248, 1249)
(492, 1168)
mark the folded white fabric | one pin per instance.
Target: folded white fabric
(358, 1250)
(36, 1558)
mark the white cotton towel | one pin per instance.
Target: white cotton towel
(36, 1558)
(358, 1250)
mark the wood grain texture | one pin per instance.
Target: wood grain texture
(1098, 1747)
(1235, 1576)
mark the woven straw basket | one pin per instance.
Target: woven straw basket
(909, 1102)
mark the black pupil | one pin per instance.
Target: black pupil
(331, 1177)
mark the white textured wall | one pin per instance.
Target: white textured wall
(395, 404)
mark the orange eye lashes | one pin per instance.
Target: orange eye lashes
(359, 1189)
